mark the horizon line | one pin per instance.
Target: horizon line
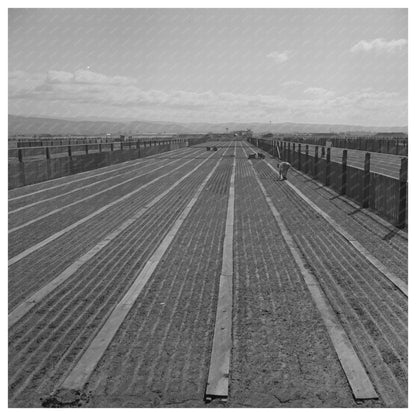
(129, 120)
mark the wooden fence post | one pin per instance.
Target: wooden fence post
(289, 156)
(328, 167)
(307, 158)
(402, 193)
(69, 151)
(366, 182)
(316, 161)
(344, 172)
(20, 155)
(48, 154)
(86, 149)
(112, 146)
(322, 152)
(299, 157)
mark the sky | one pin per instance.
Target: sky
(336, 66)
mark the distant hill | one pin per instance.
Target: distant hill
(35, 125)
(38, 125)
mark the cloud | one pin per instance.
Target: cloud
(293, 83)
(99, 93)
(318, 92)
(90, 77)
(85, 76)
(367, 100)
(59, 77)
(279, 57)
(379, 45)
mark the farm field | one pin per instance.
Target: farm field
(120, 268)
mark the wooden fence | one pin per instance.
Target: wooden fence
(69, 141)
(47, 152)
(385, 195)
(394, 146)
(37, 164)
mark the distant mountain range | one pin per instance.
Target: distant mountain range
(19, 125)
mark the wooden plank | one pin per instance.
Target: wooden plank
(402, 214)
(29, 303)
(400, 284)
(366, 182)
(92, 355)
(58, 234)
(89, 185)
(355, 372)
(219, 370)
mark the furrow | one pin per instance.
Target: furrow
(387, 303)
(310, 216)
(279, 339)
(57, 185)
(102, 277)
(95, 200)
(61, 200)
(173, 284)
(117, 203)
(64, 189)
(320, 227)
(55, 257)
(391, 391)
(385, 241)
(358, 299)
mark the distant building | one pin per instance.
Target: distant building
(242, 133)
(398, 135)
(323, 134)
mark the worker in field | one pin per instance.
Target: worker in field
(283, 169)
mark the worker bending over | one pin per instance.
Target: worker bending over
(283, 169)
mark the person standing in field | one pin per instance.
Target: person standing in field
(283, 169)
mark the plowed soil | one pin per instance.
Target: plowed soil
(282, 355)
